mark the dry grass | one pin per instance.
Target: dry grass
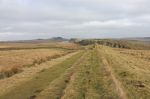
(29, 73)
(37, 45)
(143, 54)
(103, 73)
(133, 72)
(31, 88)
(15, 55)
(12, 61)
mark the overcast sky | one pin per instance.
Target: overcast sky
(31, 19)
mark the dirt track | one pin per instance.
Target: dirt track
(117, 83)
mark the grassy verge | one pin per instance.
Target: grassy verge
(32, 88)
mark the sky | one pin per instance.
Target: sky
(32, 19)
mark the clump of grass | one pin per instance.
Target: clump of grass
(16, 66)
(4, 73)
(48, 58)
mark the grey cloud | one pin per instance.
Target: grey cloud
(24, 19)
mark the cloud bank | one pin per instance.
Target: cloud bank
(30, 19)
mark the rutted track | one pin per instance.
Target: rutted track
(56, 89)
(76, 78)
(90, 80)
(34, 82)
(95, 73)
(118, 85)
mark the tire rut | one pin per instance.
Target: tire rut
(72, 76)
(56, 89)
(117, 83)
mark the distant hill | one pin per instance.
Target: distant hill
(139, 38)
(54, 39)
(59, 39)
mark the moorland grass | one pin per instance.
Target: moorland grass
(132, 72)
(33, 87)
